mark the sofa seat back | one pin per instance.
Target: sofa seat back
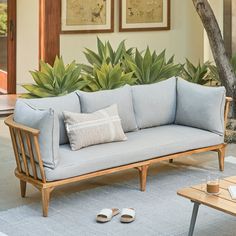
(155, 104)
(93, 101)
(200, 106)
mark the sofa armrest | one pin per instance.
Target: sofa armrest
(25, 144)
(228, 100)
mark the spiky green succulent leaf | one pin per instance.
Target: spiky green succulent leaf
(200, 74)
(107, 77)
(56, 80)
(106, 54)
(151, 68)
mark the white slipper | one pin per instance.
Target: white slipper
(127, 215)
(106, 214)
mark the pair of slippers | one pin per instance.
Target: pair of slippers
(105, 215)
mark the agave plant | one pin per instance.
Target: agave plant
(107, 76)
(199, 74)
(105, 54)
(152, 68)
(215, 73)
(56, 80)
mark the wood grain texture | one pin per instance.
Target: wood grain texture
(32, 161)
(23, 188)
(143, 171)
(49, 30)
(222, 202)
(45, 200)
(228, 100)
(11, 47)
(221, 157)
(22, 148)
(11, 123)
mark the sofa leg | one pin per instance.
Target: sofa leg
(171, 160)
(45, 200)
(22, 188)
(143, 177)
(221, 157)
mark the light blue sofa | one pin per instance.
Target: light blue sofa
(162, 121)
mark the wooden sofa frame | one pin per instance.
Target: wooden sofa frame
(18, 132)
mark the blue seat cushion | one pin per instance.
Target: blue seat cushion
(141, 145)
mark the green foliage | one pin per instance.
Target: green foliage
(151, 68)
(199, 74)
(107, 76)
(214, 74)
(107, 68)
(53, 81)
(214, 71)
(3, 19)
(106, 54)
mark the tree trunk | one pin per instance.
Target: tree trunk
(212, 28)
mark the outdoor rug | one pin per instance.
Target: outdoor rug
(160, 211)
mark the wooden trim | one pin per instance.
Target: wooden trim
(11, 47)
(221, 157)
(11, 123)
(49, 30)
(32, 162)
(228, 100)
(38, 155)
(14, 144)
(45, 199)
(143, 170)
(22, 148)
(23, 188)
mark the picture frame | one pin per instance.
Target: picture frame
(87, 16)
(144, 15)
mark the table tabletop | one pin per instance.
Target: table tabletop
(222, 202)
(7, 104)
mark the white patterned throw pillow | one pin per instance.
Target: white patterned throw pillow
(86, 129)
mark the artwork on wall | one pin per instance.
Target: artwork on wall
(87, 16)
(144, 15)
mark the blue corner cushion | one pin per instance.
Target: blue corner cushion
(200, 106)
(68, 102)
(47, 122)
(155, 104)
(93, 101)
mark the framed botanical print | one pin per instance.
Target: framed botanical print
(144, 15)
(87, 16)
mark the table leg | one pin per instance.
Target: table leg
(193, 219)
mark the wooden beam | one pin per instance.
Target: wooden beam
(49, 29)
(11, 47)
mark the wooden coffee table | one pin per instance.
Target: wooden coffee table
(222, 202)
